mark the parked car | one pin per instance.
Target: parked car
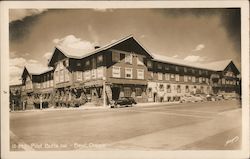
(123, 101)
(191, 98)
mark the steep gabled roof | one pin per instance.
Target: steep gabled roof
(81, 53)
(34, 69)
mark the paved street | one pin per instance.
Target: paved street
(209, 125)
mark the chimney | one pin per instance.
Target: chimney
(97, 47)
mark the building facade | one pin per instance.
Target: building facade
(122, 68)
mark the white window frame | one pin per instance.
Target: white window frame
(129, 71)
(116, 74)
(140, 71)
(160, 76)
(66, 75)
(87, 75)
(100, 72)
(56, 76)
(177, 77)
(167, 76)
(193, 79)
(93, 74)
(185, 78)
(79, 75)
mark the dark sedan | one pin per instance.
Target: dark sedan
(123, 101)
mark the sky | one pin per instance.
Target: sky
(194, 35)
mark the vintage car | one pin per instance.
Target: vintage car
(123, 101)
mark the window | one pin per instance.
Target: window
(151, 75)
(87, 63)
(189, 78)
(51, 83)
(116, 72)
(93, 62)
(200, 79)
(159, 66)
(177, 77)
(176, 68)
(172, 75)
(87, 75)
(128, 73)
(185, 78)
(138, 91)
(166, 67)
(140, 74)
(47, 84)
(207, 80)
(60, 65)
(223, 81)
(161, 87)
(128, 58)
(56, 76)
(115, 56)
(100, 72)
(61, 79)
(67, 63)
(149, 64)
(93, 73)
(100, 59)
(193, 70)
(185, 69)
(159, 76)
(168, 88)
(187, 89)
(167, 76)
(78, 75)
(66, 75)
(178, 89)
(78, 64)
(199, 72)
(127, 92)
(139, 60)
(193, 79)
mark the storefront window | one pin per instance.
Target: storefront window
(138, 91)
(127, 91)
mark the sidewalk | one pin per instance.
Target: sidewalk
(90, 107)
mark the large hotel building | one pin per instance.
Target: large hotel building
(122, 68)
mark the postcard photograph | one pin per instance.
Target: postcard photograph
(121, 79)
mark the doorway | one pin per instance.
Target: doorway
(115, 93)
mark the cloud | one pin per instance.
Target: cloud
(19, 62)
(16, 66)
(71, 41)
(32, 61)
(47, 55)
(194, 58)
(142, 36)
(20, 14)
(199, 47)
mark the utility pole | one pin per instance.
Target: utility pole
(41, 102)
(104, 91)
